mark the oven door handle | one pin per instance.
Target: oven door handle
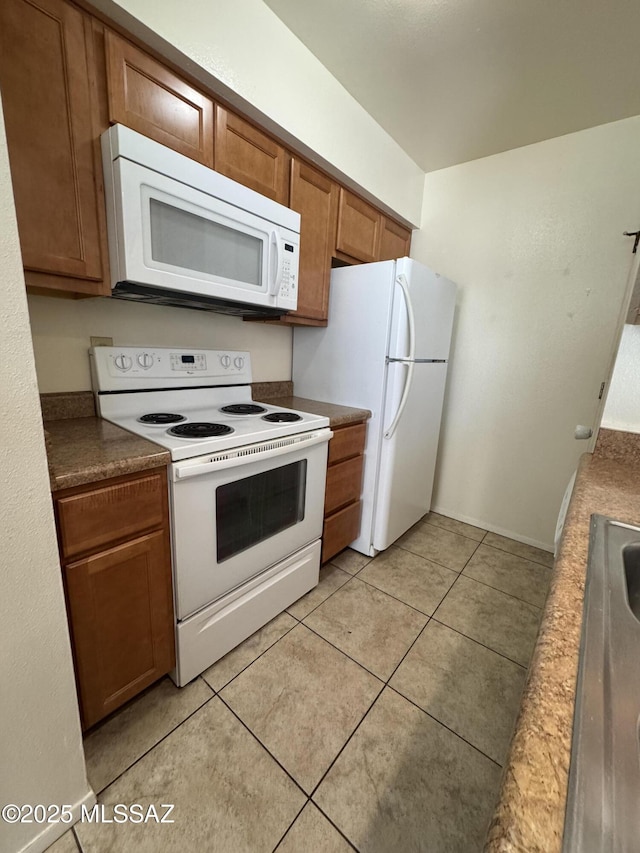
(245, 456)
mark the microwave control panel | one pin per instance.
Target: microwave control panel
(288, 284)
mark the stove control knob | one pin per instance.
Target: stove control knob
(225, 361)
(238, 362)
(122, 362)
(145, 360)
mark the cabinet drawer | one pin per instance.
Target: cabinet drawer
(346, 442)
(92, 519)
(344, 482)
(340, 529)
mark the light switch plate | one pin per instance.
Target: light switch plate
(101, 342)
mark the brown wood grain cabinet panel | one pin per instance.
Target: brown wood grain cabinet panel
(315, 197)
(340, 529)
(148, 97)
(346, 441)
(395, 241)
(120, 612)
(44, 76)
(92, 519)
(249, 156)
(344, 483)
(358, 228)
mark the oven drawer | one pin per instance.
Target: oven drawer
(92, 519)
(344, 483)
(346, 442)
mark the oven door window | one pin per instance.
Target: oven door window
(255, 508)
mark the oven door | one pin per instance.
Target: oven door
(237, 513)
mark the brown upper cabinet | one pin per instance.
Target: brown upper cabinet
(395, 240)
(65, 77)
(315, 197)
(249, 156)
(358, 228)
(44, 74)
(148, 97)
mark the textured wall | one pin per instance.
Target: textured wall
(40, 745)
(622, 409)
(245, 52)
(534, 239)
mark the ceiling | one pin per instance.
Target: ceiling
(454, 80)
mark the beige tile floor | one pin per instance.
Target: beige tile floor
(375, 714)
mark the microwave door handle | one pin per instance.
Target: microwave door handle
(274, 285)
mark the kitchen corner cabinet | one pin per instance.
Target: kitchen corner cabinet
(342, 508)
(147, 96)
(358, 228)
(115, 555)
(249, 156)
(395, 241)
(45, 82)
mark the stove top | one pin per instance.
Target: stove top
(192, 402)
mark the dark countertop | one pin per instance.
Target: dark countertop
(338, 415)
(86, 450)
(531, 809)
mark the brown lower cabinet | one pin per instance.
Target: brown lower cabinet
(342, 505)
(118, 587)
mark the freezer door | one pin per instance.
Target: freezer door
(408, 457)
(433, 299)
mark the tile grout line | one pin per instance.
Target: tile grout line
(484, 645)
(310, 801)
(227, 683)
(445, 726)
(455, 533)
(497, 589)
(287, 830)
(164, 737)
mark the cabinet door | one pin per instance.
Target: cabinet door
(148, 97)
(46, 99)
(315, 197)
(358, 228)
(121, 619)
(395, 241)
(249, 156)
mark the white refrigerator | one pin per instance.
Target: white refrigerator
(386, 348)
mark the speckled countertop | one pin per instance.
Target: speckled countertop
(338, 415)
(85, 450)
(531, 809)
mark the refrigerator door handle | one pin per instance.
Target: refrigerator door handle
(409, 362)
(403, 400)
(401, 280)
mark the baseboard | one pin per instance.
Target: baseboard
(53, 831)
(501, 531)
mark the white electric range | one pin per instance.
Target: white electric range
(246, 488)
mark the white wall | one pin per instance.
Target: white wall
(62, 327)
(40, 745)
(622, 409)
(244, 52)
(534, 239)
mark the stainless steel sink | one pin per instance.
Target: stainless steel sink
(603, 805)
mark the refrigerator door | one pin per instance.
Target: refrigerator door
(408, 457)
(433, 299)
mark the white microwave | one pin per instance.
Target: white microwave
(181, 234)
